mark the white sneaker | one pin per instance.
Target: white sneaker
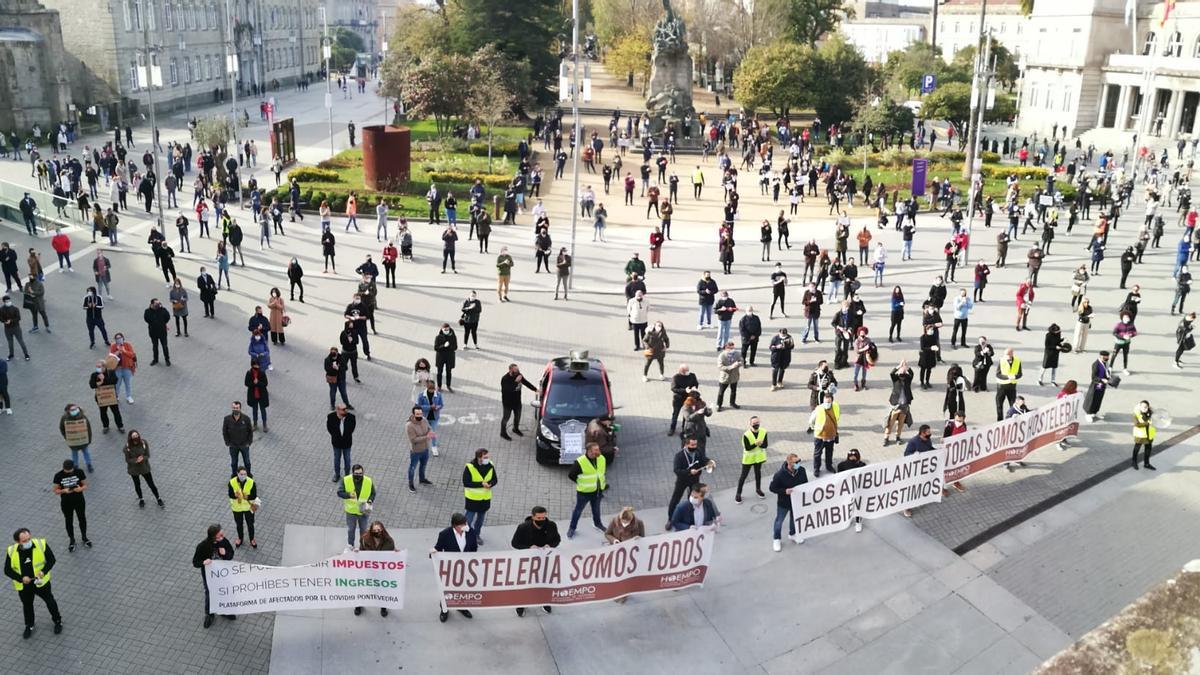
(129, 399)
(699, 326)
(435, 452)
(645, 378)
(1091, 418)
(777, 546)
(1125, 372)
(110, 296)
(8, 411)
(797, 539)
(858, 527)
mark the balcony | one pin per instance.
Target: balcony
(1159, 63)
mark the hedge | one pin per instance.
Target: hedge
(496, 180)
(310, 174)
(480, 149)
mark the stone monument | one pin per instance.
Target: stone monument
(670, 100)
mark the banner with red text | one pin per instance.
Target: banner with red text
(1011, 440)
(873, 491)
(566, 577)
(353, 579)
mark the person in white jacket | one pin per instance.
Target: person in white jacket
(638, 312)
(879, 263)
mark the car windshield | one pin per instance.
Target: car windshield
(577, 398)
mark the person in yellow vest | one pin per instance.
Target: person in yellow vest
(754, 455)
(823, 425)
(478, 479)
(243, 500)
(28, 565)
(358, 496)
(1008, 373)
(1143, 433)
(588, 474)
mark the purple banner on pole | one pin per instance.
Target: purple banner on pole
(920, 167)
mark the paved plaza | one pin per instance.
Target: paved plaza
(843, 602)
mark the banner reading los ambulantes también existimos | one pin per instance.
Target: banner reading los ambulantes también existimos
(873, 491)
(552, 577)
(1011, 440)
(354, 579)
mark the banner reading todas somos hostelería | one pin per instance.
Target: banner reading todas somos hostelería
(873, 491)
(1011, 440)
(362, 579)
(552, 577)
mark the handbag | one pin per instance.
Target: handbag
(28, 302)
(648, 353)
(286, 321)
(176, 305)
(331, 379)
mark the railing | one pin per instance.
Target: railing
(48, 217)
(1156, 63)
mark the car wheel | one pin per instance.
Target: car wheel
(546, 456)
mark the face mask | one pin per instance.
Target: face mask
(485, 461)
(8, 303)
(695, 501)
(625, 522)
(99, 369)
(74, 412)
(120, 341)
(795, 466)
(828, 405)
(358, 475)
(445, 331)
(754, 426)
(27, 545)
(1125, 320)
(241, 476)
(236, 411)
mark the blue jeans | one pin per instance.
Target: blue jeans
(353, 523)
(417, 459)
(452, 216)
(582, 498)
(783, 513)
(835, 287)
(125, 376)
(879, 274)
(87, 456)
(433, 425)
(233, 459)
(906, 253)
(475, 521)
(342, 454)
(860, 368)
(723, 332)
(257, 409)
(812, 324)
(705, 315)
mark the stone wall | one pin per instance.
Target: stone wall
(32, 71)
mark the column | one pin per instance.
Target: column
(1171, 127)
(1103, 104)
(1196, 124)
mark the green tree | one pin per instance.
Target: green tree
(906, 67)
(350, 40)
(841, 77)
(614, 19)
(437, 87)
(760, 82)
(630, 56)
(1007, 70)
(489, 100)
(809, 20)
(952, 103)
(882, 116)
(213, 132)
(525, 31)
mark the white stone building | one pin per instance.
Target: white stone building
(876, 38)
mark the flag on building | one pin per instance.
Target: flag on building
(1168, 7)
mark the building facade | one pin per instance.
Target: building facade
(33, 80)
(958, 25)
(276, 43)
(1087, 67)
(876, 38)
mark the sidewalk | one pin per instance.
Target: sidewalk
(888, 600)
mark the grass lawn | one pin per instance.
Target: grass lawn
(426, 130)
(994, 187)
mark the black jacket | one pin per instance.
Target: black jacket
(447, 543)
(237, 433)
(205, 550)
(528, 535)
(208, 287)
(338, 437)
(685, 461)
(444, 346)
(157, 320)
(510, 389)
(680, 384)
(901, 384)
(784, 479)
(750, 328)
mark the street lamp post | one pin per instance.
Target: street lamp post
(149, 70)
(187, 71)
(983, 76)
(327, 49)
(575, 132)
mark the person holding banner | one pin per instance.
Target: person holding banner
(789, 476)
(699, 511)
(214, 547)
(1143, 434)
(104, 385)
(458, 538)
(376, 539)
(1008, 373)
(588, 474)
(754, 455)
(687, 465)
(922, 442)
(358, 496)
(478, 479)
(853, 461)
(76, 430)
(538, 531)
(823, 424)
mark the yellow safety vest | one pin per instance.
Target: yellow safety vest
(590, 477)
(243, 504)
(758, 455)
(479, 494)
(39, 561)
(1011, 371)
(350, 504)
(819, 420)
(1143, 433)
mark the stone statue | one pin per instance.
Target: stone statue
(670, 97)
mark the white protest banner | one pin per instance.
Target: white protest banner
(551, 577)
(362, 579)
(1011, 440)
(872, 491)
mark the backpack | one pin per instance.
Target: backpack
(872, 353)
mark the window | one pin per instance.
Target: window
(150, 14)
(208, 73)
(168, 17)
(1033, 96)
(1151, 42)
(198, 71)
(129, 17)
(173, 72)
(1067, 100)
(133, 74)
(1175, 45)
(187, 70)
(137, 14)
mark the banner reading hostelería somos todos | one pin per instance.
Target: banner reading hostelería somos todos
(1012, 439)
(362, 579)
(552, 577)
(873, 491)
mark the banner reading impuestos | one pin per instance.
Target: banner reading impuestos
(362, 579)
(550, 577)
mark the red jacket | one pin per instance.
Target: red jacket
(390, 253)
(61, 243)
(1024, 294)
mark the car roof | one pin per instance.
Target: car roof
(561, 368)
